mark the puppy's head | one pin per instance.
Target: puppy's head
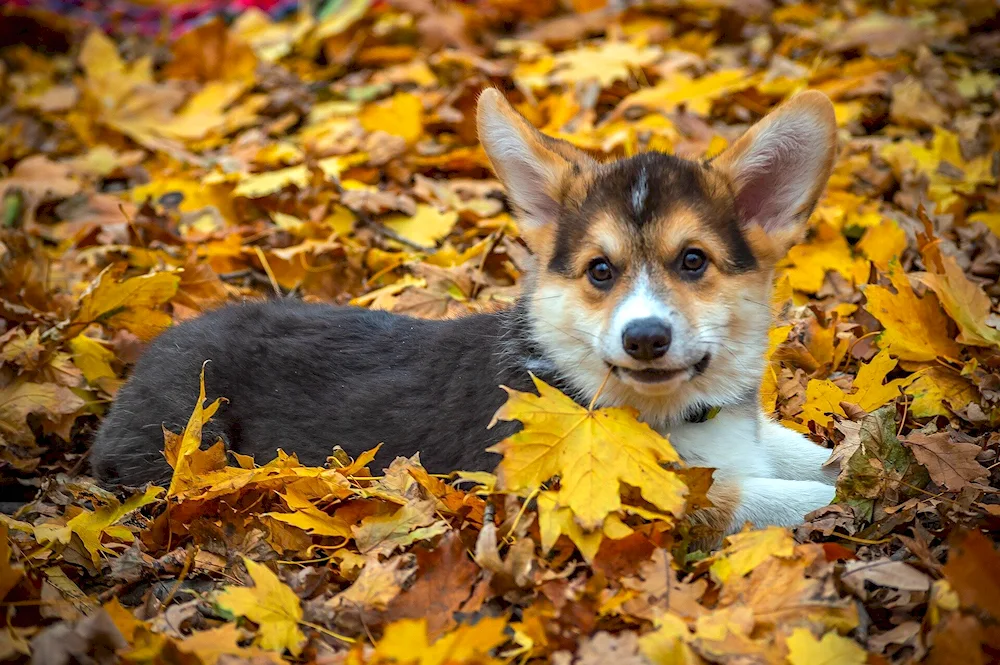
(656, 269)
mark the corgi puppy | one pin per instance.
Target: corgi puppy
(652, 276)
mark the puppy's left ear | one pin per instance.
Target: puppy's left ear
(778, 169)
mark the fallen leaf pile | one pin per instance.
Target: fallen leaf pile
(334, 159)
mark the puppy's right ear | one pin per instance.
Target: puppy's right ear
(533, 168)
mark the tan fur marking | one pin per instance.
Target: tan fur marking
(716, 521)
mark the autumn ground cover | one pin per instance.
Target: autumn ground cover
(335, 160)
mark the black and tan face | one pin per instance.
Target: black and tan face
(654, 273)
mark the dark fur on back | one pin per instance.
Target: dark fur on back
(307, 377)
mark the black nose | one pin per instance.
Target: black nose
(646, 339)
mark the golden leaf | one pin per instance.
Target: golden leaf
(804, 649)
(883, 243)
(915, 328)
(938, 391)
(746, 550)
(823, 397)
(806, 265)
(130, 303)
(309, 518)
(94, 360)
(592, 452)
(406, 641)
(426, 227)
(696, 94)
(401, 115)
(271, 605)
(190, 440)
(965, 301)
(91, 527)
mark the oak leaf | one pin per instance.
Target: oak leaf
(271, 605)
(950, 463)
(592, 451)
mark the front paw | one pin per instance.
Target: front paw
(794, 457)
(779, 502)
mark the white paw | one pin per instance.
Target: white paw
(778, 502)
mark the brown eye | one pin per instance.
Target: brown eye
(693, 262)
(600, 273)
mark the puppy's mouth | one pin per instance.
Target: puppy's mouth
(652, 375)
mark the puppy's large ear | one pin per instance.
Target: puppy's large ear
(779, 168)
(535, 169)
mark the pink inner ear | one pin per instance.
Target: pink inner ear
(764, 198)
(778, 176)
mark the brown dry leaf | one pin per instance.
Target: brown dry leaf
(444, 582)
(951, 464)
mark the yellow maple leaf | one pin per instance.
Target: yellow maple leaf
(556, 519)
(309, 518)
(271, 605)
(92, 526)
(607, 63)
(94, 360)
(823, 397)
(746, 550)
(401, 115)
(426, 227)
(592, 452)
(129, 303)
(211, 645)
(260, 185)
(697, 94)
(406, 641)
(965, 301)
(667, 643)
(107, 77)
(806, 265)
(804, 649)
(915, 328)
(190, 440)
(938, 391)
(883, 243)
